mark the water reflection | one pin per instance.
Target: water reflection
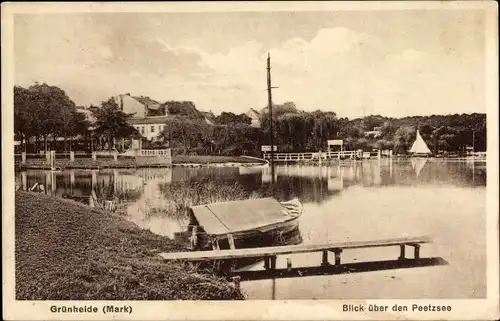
(356, 201)
(139, 193)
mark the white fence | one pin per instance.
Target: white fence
(155, 152)
(148, 156)
(295, 157)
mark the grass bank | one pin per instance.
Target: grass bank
(67, 251)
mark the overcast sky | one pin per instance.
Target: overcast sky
(393, 63)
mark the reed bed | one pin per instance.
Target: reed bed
(182, 195)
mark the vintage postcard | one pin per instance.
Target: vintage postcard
(250, 161)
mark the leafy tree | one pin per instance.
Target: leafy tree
(42, 111)
(111, 122)
(183, 108)
(186, 133)
(403, 138)
(228, 118)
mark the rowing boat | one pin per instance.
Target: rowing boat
(243, 224)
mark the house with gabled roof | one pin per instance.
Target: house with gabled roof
(255, 116)
(149, 116)
(139, 106)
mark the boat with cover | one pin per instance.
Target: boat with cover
(244, 224)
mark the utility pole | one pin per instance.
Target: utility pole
(270, 102)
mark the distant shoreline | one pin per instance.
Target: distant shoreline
(189, 161)
(130, 163)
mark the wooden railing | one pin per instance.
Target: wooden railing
(154, 152)
(311, 156)
(101, 159)
(291, 157)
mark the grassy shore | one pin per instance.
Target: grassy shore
(67, 251)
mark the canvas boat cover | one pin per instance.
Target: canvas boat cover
(419, 146)
(235, 216)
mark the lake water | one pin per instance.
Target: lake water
(362, 201)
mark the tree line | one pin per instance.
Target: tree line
(42, 113)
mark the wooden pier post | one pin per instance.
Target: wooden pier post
(324, 261)
(402, 255)
(273, 262)
(416, 252)
(23, 157)
(288, 264)
(266, 263)
(337, 256)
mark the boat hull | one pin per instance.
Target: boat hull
(289, 235)
(264, 236)
(278, 233)
(275, 234)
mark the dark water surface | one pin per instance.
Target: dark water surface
(367, 200)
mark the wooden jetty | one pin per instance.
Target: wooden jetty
(270, 254)
(340, 156)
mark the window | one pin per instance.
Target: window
(152, 128)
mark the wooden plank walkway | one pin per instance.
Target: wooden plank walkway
(272, 252)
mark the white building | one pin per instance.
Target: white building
(149, 127)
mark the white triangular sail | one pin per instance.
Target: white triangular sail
(419, 146)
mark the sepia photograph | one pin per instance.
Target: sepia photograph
(250, 152)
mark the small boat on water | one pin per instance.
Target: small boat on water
(243, 224)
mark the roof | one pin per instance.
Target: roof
(148, 102)
(234, 216)
(88, 114)
(252, 113)
(148, 120)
